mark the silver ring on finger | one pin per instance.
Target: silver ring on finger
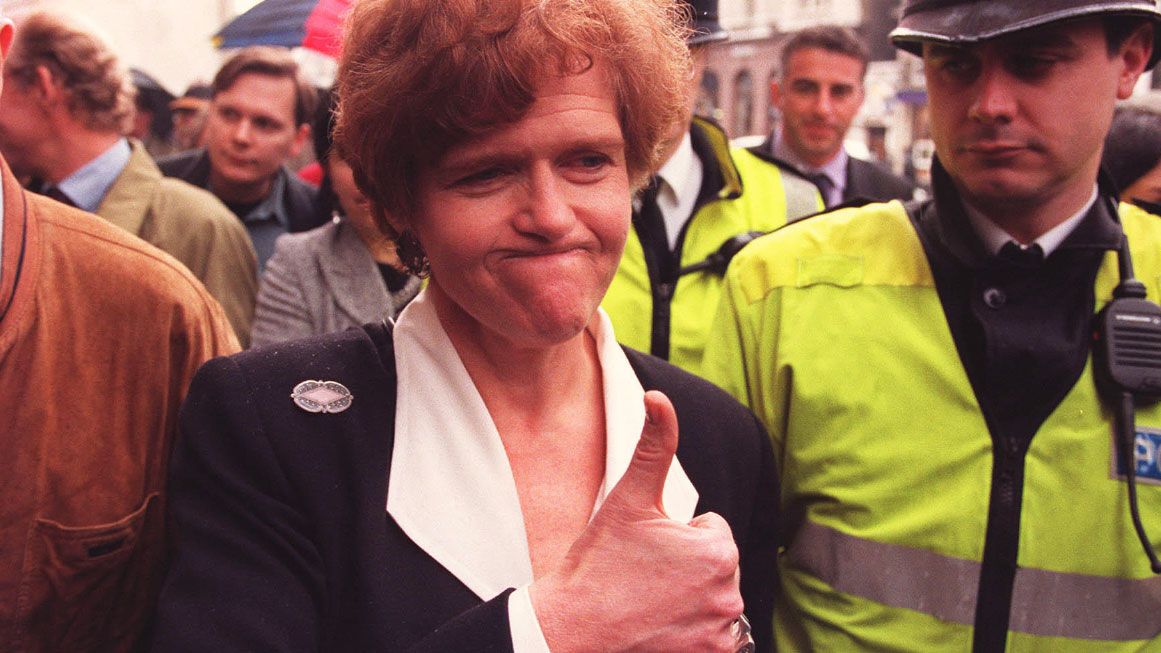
(740, 629)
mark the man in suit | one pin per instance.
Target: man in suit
(818, 94)
(100, 334)
(259, 119)
(67, 104)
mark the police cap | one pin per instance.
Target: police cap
(964, 22)
(706, 28)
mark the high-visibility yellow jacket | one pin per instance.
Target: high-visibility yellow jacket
(831, 330)
(646, 309)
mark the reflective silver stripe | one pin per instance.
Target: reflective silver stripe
(1056, 604)
(898, 576)
(1044, 603)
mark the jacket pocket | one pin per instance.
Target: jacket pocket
(91, 588)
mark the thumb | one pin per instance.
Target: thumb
(644, 481)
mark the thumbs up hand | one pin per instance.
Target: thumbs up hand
(637, 580)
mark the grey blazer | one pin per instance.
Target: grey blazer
(321, 281)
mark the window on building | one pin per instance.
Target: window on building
(707, 96)
(772, 116)
(743, 104)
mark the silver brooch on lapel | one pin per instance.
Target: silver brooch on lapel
(322, 396)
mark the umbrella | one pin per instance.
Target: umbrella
(314, 24)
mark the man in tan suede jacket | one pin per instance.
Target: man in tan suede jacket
(100, 334)
(67, 104)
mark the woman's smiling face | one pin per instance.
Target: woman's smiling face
(525, 225)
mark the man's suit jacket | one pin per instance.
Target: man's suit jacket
(870, 181)
(866, 181)
(191, 225)
(298, 198)
(285, 541)
(321, 281)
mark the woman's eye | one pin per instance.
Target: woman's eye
(482, 177)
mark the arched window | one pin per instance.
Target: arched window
(743, 104)
(772, 116)
(707, 96)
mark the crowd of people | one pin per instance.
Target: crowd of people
(534, 359)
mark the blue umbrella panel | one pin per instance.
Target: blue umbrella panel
(270, 22)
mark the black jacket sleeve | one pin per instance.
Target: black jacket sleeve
(254, 570)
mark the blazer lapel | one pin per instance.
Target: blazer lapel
(352, 277)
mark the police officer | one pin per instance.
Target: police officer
(702, 206)
(955, 475)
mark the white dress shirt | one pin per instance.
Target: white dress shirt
(451, 488)
(681, 178)
(994, 237)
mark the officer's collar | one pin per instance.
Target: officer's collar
(949, 224)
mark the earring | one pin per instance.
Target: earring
(412, 255)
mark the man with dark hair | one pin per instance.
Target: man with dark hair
(100, 334)
(959, 438)
(1133, 152)
(259, 118)
(818, 94)
(67, 105)
(706, 201)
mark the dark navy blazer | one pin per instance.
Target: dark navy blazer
(284, 541)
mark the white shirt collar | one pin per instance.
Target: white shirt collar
(682, 175)
(994, 237)
(451, 488)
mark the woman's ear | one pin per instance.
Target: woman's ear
(387, 222)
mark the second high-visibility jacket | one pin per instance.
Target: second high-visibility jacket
(670, 317)
(832, 331)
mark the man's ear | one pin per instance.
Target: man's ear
(301, 136)
(775, 93)
(1134, 56)
(47, 88)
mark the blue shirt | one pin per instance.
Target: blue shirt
(87, 186)
(267, 221)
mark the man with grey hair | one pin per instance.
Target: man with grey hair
(67, 104)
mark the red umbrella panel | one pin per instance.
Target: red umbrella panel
(314, 24)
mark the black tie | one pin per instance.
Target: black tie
(1022, 257)
(59, 195)
(824, 184)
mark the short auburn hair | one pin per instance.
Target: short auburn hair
(272, 62)
(417, 77)
(98, 88)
